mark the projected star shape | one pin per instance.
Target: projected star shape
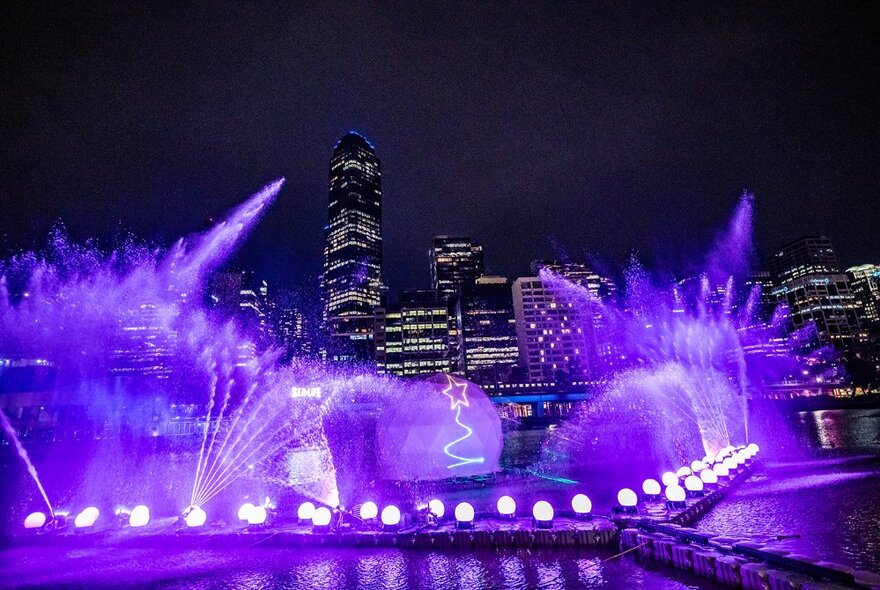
(456, 392)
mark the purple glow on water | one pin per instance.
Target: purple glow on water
(680, 361)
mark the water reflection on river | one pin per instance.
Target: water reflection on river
(821, 482)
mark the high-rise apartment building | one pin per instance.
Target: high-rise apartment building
(590, 311)
(456, 262)
(352, 282)
(490, 348)
(416, 336)
(550, 331)
(808, 280)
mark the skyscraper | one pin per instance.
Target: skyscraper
(352, 281)
(808, 280)
(456, 262)
(550, 332)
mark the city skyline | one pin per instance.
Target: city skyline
(600, 261)
(573, 144)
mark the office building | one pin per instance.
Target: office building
(489, 341)
(456, 262)
(808, 280)
(865, 282)
(550, 332)
(416, 336)
(352, 282)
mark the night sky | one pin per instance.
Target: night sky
(537, 131)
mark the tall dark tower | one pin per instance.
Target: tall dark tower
(352, 282)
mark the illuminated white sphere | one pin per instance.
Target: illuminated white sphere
(86, 518)
(697, 466)
(730, 463)
(542, 511)
(245, 511)
(464, 512)
(258, 515)
(391, 515)
(708, 459)
(140, 516)
(721, 470)
(708, 476)
(196, 517)
(437, 508)
(627, 498)
(669, 478)
(581, 504)
(753, 448)
(34, 520)
(305, 511)
(740, 458)
(369, 510)
(683, 472)
(675, 493)
(693, 483)
(651, 487)
(321, 516)
(506, 506)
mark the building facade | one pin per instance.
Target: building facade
(352, 281)
(456, 263)
(550, 332)
(416, 336)
(590, 311)
(808, 280)
(489, 341)
(865, 282)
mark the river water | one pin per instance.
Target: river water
(820, 481)
(820, 486)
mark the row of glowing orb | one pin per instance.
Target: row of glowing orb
(696, 477)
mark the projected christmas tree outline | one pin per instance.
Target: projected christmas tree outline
(456, 391)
